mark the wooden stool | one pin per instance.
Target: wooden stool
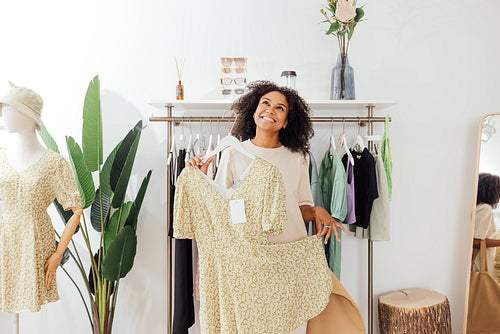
(414, 311)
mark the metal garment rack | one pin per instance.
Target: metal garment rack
(171, 120)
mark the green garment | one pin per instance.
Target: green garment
(315, 188)
(385, 153)
(333, 185)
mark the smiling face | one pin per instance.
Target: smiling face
(271, 113)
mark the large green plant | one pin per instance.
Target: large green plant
(110, 215)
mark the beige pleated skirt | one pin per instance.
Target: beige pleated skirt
(341, 315)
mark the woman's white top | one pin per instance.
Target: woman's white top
(294, 168)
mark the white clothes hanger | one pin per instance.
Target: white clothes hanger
(218, 132)
(373, 138)
(210, 139)
(199, 144)
(359, 144)
(217, 158)
(172, 152)
(330, 144)
(228, 141)
(190, 140)
(349, 155)
(332, 139)
(182, 144)
(376, 141)
(342, 143)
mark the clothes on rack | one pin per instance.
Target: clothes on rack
(379, 227)
(333, 185)
(172, 170)
(365, 186)
(283, 165)
(385, 153)
(350, 191)
(184, 315)
(248, 284)
(332, 178)
(315, 188)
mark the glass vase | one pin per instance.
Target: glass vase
(342, 84)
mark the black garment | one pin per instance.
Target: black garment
(183, 270)
(365, 185)
(173, 172)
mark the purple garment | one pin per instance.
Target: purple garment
(349, 173)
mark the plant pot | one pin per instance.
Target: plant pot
(342, 84)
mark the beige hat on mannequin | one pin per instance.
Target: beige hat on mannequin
(26, 101)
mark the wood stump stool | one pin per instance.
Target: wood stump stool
(414, 311)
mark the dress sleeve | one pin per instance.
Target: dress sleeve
(304, 188)
(274, 213)
(183, 219)
(65, 189)
(224, 175)
(484, 217)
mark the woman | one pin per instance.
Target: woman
(273, 123)
(488, 195)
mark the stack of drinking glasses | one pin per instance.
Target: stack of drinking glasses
(234, 76)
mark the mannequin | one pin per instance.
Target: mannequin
(23, 160)
(23, 150)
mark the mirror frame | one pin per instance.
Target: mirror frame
(473, 219)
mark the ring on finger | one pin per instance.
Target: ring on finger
(328, 226)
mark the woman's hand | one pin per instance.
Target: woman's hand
(50, 268)
(322, 217)
(197, 162)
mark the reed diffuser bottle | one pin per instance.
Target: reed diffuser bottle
(180, 91)
(180, 88)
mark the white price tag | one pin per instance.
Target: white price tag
(238, 211)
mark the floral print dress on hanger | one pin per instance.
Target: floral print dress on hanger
(27, 237)
(248, 284)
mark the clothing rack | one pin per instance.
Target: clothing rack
(175, 121)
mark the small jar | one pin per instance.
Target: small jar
(289, 78)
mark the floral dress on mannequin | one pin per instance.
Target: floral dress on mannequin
(27, 237)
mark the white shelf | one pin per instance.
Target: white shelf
(184, 106)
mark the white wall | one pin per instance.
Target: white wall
(436, 59)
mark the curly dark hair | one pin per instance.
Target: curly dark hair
(488, 189)
(298, 130)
